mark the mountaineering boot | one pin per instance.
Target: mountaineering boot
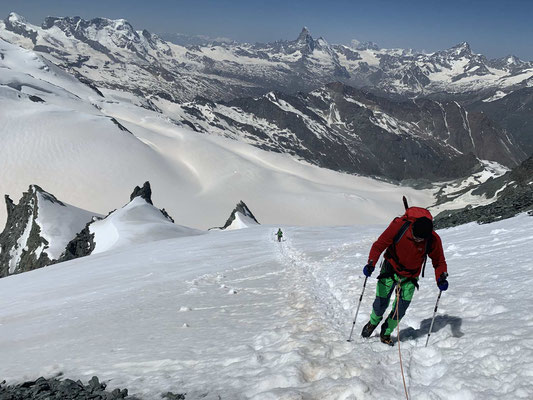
(385, 338)
(368, 329)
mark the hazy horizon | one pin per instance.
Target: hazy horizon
(492, 29)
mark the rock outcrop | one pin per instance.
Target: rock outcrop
(513, 192)
(241, 213)
(37, 230)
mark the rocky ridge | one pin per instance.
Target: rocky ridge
(28, 241)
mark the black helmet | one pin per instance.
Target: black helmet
(422, 228)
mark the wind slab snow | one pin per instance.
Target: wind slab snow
(237, 315)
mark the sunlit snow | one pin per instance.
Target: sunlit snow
(238, 315)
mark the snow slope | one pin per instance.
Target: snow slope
(90, 151)
(136, 223)
(236, 315)
(60, 223)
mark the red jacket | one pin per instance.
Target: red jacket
(410, 253)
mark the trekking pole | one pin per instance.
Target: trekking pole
(433, 319)
(357, 312)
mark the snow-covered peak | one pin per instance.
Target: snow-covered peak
(98, 29)
(512, 60)
(304, 36)
(135, 223)
(460, 50)
(510, 63)
(16, 18)
(367, 46)
(111, 54)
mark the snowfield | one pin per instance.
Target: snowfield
(91, 151)
(236, 315)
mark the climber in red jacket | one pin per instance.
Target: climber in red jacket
(407, 242)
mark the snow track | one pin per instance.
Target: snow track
(319, 326)
(237, 315)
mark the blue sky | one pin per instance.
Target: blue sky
(493, 28)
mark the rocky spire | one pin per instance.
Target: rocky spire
(462, 49)
(304, 36)
(305, 39)
(240, 208)
(145, 192)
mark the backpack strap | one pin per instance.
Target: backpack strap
(401, 232)
(428, 249)
(391, 250)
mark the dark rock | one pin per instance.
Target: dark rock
(173, 396)
(243, 209)
(21, 223)
(68, 389)
(23, 246)
(516, 196)
(513, 113)
(20, 28)
(82, 245)
(36, 99)
(145, 192)
(167, 215)
(120, 126)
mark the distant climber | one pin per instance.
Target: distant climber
(279, 234)
(408, 241)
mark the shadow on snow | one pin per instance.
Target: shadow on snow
(440, 322)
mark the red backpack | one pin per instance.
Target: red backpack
(410, 216)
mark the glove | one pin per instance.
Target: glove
(368, 269)
(442, 282)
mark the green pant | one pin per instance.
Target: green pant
(387, 282)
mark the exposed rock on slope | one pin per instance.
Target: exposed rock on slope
(513, 193)
(137, 222)
(65, 389)
(37, 230)
(241, 217)
(355, 131)
(513, 111)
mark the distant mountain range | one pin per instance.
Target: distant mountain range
(112, 54)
